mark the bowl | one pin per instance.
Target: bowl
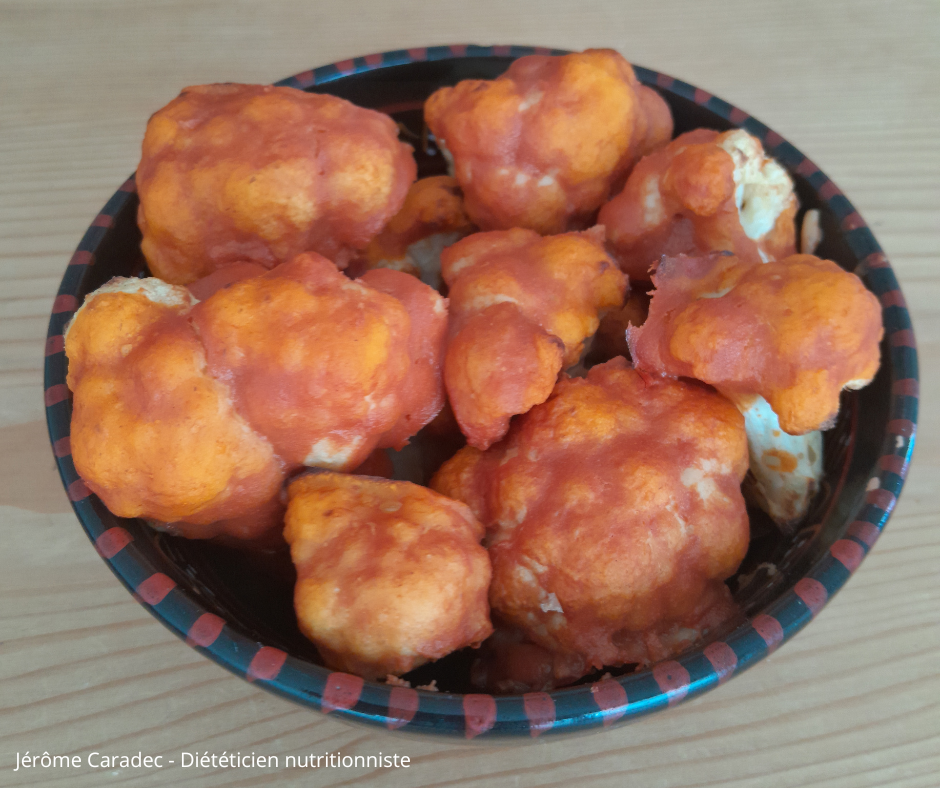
(235, 607)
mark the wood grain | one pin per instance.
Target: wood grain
(852, 701)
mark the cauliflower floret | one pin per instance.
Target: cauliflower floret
(257, 173)
(432, 218)
(541, 146)
(762, 189)
(390, 575)
(521, 307)
(320, 364)
(153, 434)
(795, 332)
(499, 365)
(702, 192)
(614, 513)
(189, 413)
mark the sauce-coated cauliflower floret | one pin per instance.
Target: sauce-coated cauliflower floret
(153, 434)
(541, 146)
(703, 192)
(189, 413)
(614, 513)
(795, 332)
(521, 308)
(259, 173)
(499, 365)
(432, 218)
(320, 364)
(390, 575)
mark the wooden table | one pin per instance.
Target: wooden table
(853, 701)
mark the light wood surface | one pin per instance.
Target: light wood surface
(852, 701)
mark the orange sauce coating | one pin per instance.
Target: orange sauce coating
(499, 365)
(614, 512)
(316, 361)
(389, 574)
(682, 199)
(232, 173)
(153, 434)
(189, 413)
(795, 332)
(541, 146)
(521, 307)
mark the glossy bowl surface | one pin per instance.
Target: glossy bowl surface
(236, 608)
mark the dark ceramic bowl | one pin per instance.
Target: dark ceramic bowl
(237, 608)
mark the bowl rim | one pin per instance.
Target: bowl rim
(608, 700)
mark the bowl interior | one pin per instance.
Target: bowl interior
(252, 592)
